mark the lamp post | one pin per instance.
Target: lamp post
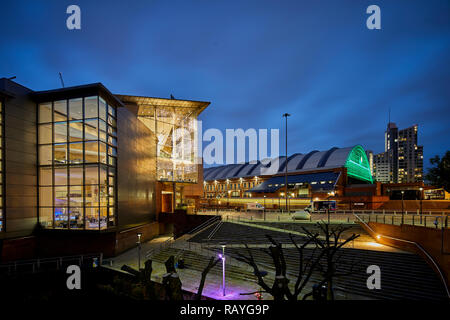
(281, 196)
(403, 192)
(139, 250)
(279, 202)
(286, 115)
(222, 256)
(330, 194)
(421, 196)
(264, 207)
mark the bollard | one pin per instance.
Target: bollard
(278, 217)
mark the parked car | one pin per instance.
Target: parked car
(301, 215)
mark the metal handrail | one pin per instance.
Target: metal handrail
(204, 224)
(149, 253)
(171, 239)
(430, 258)
(38, 262)
(212, 233)
(64, 258)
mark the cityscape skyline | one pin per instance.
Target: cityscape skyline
(221, 152)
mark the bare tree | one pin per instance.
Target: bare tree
(330, 246)
(211, 264)
(280, 288)
(323, 258)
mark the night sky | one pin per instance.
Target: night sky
(254, 60)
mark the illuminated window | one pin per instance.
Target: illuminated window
(175, 127)
(77, 157)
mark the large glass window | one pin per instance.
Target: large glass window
(175, 128)
(77, 164)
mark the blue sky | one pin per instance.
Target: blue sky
(254, 60)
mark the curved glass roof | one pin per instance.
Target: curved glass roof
(353, 158)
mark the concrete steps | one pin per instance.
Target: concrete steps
(403, 276)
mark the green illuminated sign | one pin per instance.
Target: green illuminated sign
(357, 165)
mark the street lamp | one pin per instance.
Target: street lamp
(265, 207)
(139, 250)
(421, 196)
(286, 115)
(403, 192)
(330, 194)
(279, 200)
(222, 256)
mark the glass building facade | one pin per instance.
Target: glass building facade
(77, 164)
(175, 128)
(176, 145)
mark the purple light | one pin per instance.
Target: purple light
(220, 256)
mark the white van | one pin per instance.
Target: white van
(254, 207)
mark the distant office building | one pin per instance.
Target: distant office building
(369, 154)
(402, 159)
(381, 168)
(410, 156)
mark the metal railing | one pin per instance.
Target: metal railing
(204, 224)
(213, 232)
(171, 240)
(166, 244)
(418, 246)
(436, 219)
(431, 221)
(48, 264)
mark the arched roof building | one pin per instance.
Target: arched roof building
(354, 159)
